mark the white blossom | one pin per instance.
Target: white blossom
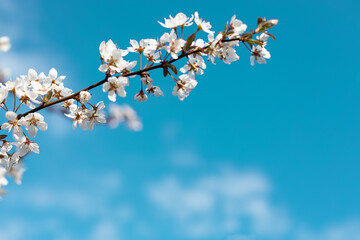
(115, 85)
(263, 38)
(153, 57)
(96, 115)
(259, 54)
(237, 26)
(112, 57)
(141, 96)
(84, 96)
(184, 86)
(146, 79)
(154, 90)
(25, 146)
(79, 117)
(59, 91)
(202, 25)
(42, 87)
(194, 65)
(214, 48)
(125, 66)
(32, 122)
(13, 123)
(175, 44)
(179, 20)
(229, 55)
(27, 97)
(53, 77)
(146, 46)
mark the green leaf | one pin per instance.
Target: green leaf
(173, 68)
(247, 36)
(226, 27)
(165, 71)
(49, 95)
(189, 41)
(253, 41)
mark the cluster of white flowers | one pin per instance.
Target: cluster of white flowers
(172, 46)
(29, 89)
(40, 91)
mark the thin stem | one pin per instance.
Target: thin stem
(177, 35)
(140, 60)
(18, 107)
(140, 69)
(6, 107)
(172, 76)
(247, 46)
(14, 101)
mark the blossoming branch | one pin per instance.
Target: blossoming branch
(40, 91)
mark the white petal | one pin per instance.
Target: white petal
(10, 115)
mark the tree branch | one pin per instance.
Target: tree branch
(161, 65)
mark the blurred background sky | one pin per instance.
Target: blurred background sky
(264, 152)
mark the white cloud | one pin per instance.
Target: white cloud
(18, 228)
(87, 199)
(347, 230)
(184, 157)
(224, 204)
(105, 229)
(90, 198)
(11, 230)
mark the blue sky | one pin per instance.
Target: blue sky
(264, 152)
